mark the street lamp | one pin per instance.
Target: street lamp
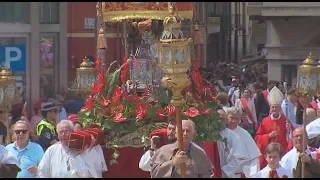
(8, 95)
(174, 53)
(86, 76)
(307, 85)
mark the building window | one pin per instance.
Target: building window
(14, 12)
(289, 73)
(47, 62)
(49, 12)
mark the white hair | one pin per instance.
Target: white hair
(22, 122)
(233, 110)
(188, 123)
(68, 122)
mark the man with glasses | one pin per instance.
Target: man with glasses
(29, 154)
(46, 128)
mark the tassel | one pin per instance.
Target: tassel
(197, 36)
(102, 41)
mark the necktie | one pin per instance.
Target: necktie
(273, 174)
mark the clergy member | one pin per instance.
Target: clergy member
(165, 163)
(61, 162)
(313, 132)
(275, 127)
(252, 152)
(262, 104)
(292, 107)
(249, 116)
(293, 159)
(228, 156)
(9, 164)
(170, 132)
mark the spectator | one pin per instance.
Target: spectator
(37, 117)
(3, 129)
(29, 154)
(62, 114)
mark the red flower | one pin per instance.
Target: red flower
(117, 94)
(141, 114)
(97, 88)
(101, 77)
(124, 69)
(160, 114)
(104, 101)
(207, 111)
(171, 110)
(212, 88)
(89, 103)
(119, 118)
(192, 112)
(98, 63)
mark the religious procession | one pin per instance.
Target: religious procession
(158, 113)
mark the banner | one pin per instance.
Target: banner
(117, 11)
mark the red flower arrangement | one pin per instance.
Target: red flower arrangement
(112, 107)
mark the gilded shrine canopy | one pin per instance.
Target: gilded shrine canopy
(117, 11)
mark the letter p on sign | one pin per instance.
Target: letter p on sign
(14, 56)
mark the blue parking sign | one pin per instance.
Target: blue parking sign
(13, 56)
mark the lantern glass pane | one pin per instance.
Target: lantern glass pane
(1, 95)
(11, 91)
(303, 80)
(179, 56)
(313, 82)
(167, 57)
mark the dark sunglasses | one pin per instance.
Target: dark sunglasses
(20, 131)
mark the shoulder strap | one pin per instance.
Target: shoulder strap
(265, 94)
(246, 109)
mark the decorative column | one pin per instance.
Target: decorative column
(101, 40)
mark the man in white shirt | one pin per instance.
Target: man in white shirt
(252, 152)
(145, 160)
(226, 157)
(61, 162)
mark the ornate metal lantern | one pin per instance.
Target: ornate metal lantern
(86, 75)
(174, 53)
(307, 80)
(8, 92)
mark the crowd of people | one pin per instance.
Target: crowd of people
(263, 131)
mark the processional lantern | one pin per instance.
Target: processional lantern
(8, 96)
(174, 53)
(307, 81)
(86, 76)
(307, 86)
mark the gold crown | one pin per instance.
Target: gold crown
(5, 72)
(309, 61)
(173, 21)
(85, 63)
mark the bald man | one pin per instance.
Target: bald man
(294, 158)
(165, 163)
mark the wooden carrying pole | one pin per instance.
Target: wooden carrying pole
(180, 137)
(304, 143)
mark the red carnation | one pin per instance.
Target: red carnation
(97, 88)
(104, 101)
(89, 103)
(141, 114)
(207, 111)
(160, 114)
(192, 112)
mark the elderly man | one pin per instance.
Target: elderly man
(225, 156)
(46, 128)
(170, 132)
(165, 163)
(293, 159)
(252, 153)
(29, 153)
(61, 162)
(275, 127)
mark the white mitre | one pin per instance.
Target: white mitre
(275, 96)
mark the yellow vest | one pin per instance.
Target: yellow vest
(46, 124)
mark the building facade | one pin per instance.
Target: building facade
(33, 42)
(289, 31)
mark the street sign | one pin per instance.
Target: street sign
(89, 23)
(13, 56)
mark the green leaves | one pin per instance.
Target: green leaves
(112, 81)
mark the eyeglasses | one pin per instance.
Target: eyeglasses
(20, 131)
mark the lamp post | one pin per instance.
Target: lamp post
(86, 75)
(307, 85)
(8, 96)
(174, 53)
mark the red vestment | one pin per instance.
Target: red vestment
(268, 125)
(211, 149)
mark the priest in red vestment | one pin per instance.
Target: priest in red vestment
(275, 127)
